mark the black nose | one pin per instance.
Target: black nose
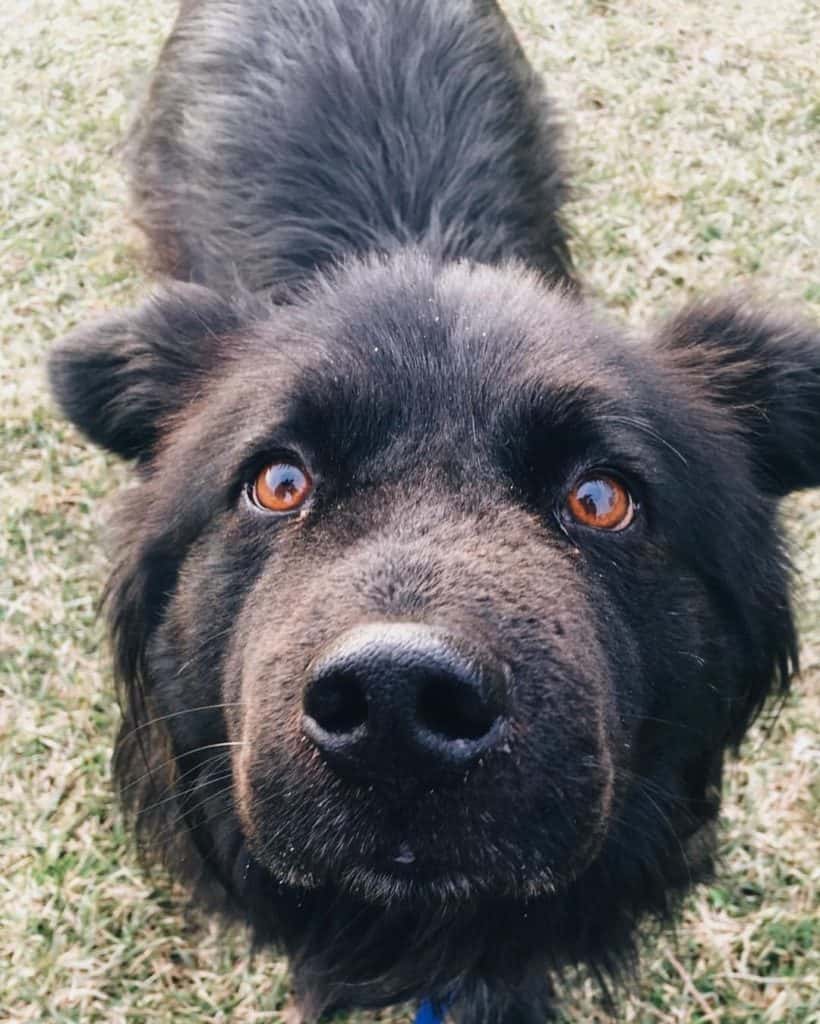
(397, 696)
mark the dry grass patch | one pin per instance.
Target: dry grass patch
(693, 132)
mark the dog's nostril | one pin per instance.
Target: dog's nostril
(449, 709)
(338, 705)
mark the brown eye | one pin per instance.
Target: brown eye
(281, 487)
(601, 502)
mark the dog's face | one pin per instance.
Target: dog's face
(473, 588)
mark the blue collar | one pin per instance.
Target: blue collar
(430, 1013)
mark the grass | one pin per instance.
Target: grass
(693, 133)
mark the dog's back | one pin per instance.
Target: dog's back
(282, 135)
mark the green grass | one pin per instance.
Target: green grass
(693, 135)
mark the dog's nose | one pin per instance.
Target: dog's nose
(402, 697)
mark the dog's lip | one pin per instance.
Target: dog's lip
(397, 883)
(404, 862)
(405, 873)
(411, 879)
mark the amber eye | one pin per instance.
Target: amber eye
(281, 487)
(602, 502)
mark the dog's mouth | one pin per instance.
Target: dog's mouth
(411, 870)
(394, 843)
(453, 889)
(400, 882)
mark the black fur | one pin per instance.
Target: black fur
(280, 137)
(366, 199)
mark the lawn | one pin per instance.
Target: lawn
(693, 131)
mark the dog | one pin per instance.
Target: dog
(438, 602)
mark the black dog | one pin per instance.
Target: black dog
(439, 602)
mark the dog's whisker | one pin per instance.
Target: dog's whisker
(202, 647)
(171, 826)
(174, 781)
(646, 428)
(176, 796)
(128, 736)
(153, 769)
(187, 812)
(678, 726)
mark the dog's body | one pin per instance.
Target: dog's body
(283, 137)
(439, 602)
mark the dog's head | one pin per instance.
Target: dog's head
(436, 582)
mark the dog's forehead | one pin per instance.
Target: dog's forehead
(398, 353)
(406, 345)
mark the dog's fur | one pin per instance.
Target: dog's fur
(359, 200)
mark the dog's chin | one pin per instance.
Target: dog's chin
(406, 883)
(392, 869)
(453, 889)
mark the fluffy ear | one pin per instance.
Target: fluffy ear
(119, 377)
(765, 372)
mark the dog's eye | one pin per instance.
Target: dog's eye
(281, 487)
(602, 502)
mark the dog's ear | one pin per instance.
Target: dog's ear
(120, 377)
(764, 372)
